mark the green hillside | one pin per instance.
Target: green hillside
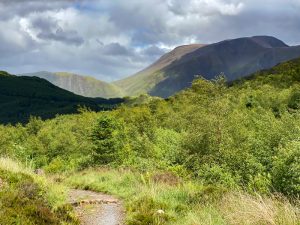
(22, 97)
(216, 153)
(82, 85)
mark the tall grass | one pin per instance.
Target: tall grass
(149, 201)
(245, 209)
(14, 166)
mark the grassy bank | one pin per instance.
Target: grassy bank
(26, 198)
(162, 198)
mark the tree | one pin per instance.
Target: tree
(107, 137)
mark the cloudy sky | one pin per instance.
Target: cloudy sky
(110, 39)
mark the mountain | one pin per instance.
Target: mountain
(235, 58)
(176, 70)
(21, 97)
(81, 85)
(146, 79)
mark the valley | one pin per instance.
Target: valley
(238, 163)
(153, 112)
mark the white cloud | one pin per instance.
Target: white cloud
(205, 7)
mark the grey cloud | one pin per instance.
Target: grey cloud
(49, 29)
(112, 39)
(115, 49)
(146, 21)
(68, 37)
(22, 8)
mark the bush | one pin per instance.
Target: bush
(260, 183)
(145, 210)
(294, 101)
(216, 175)
(286, 169)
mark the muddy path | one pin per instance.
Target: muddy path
(94, 208)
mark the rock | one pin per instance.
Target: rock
(39, 172)
(160, 211)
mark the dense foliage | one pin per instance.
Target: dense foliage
(242, 136)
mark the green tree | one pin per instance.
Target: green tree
(108, 139)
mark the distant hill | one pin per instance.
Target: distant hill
(81, 85)
(236, 58)
(21, 97)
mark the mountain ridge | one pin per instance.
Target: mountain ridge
(175, 70)
(235, 58)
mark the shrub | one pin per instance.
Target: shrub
(216, 175)
(145, 210)
(294, 101)
(286, 169)
(168, 178)
(260, 183)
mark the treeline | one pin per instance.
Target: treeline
(21, 97)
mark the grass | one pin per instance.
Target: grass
(151, 198)
(14, 166)
(152, 201)
(26, 198)
(245, 209)
(54, 192)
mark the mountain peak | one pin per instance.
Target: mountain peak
(259, 41)
(269, 41)
(177, 53)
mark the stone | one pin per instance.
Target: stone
(160, 211)
(39, 172)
